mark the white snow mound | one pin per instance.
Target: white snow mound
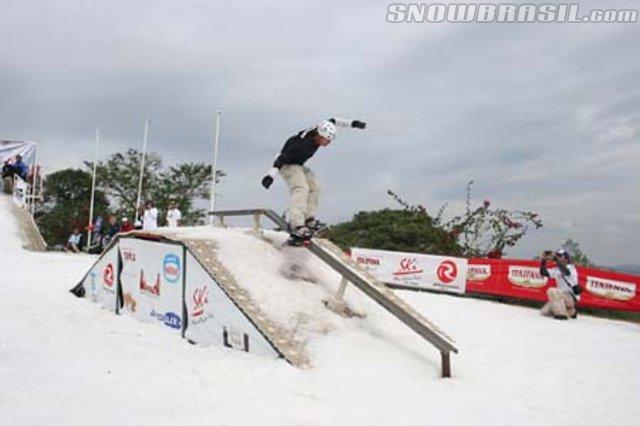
(66, 361)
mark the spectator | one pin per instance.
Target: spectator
(564, 297)
(73, 243)
(114, 228)
(96, 235)
(17, 168)
(173, 215)
(150, 217)
(126, 225)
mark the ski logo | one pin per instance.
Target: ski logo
(200, 301)
(408, 266)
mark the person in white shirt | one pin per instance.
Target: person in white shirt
(564, 297)
(150, 217)
(73, 243)
(173, 215)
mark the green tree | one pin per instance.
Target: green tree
(67, 195)
(118, 178)
(486, 231)
(184, 183)
(397, 230)
(480, 232)
(579, 257)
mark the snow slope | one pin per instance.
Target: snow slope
(64, 361)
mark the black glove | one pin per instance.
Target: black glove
(358, 124)
(267, 181)
(576, 290)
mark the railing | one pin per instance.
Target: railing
(371, 287)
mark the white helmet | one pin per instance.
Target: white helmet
(327, 130)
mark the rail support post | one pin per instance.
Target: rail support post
(256, 223)
(337, 304)
(221, 222)
(446, 364)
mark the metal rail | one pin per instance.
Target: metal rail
(329, 254)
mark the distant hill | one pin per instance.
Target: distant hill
(627, 268)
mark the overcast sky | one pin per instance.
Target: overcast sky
(541, 116)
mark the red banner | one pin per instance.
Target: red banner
(521, 279)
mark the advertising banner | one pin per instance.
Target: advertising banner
(101, 282)
(152, 281)
(214, 319)
(443, 273)
(522, 279)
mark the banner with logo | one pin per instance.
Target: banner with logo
(152, 281)
(214, 319)
(522, 279)
(101, 284)
(443, 273)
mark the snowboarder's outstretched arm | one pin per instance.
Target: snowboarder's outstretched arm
(344, 122)
(294, 151)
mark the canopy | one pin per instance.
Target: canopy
(9, 149)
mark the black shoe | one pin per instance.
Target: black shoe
(314, 224)
(575, 315)
(561, 317)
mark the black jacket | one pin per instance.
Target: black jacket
(298, 149)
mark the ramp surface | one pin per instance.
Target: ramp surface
(29, 232)
(332, 255)
(283, 339)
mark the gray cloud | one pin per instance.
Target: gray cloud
(542, 117)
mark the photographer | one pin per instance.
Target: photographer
(564, 297)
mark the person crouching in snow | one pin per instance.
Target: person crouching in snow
(303, 186)
(564, 297)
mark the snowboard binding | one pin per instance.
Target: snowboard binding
(300, 236)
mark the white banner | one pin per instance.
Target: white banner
(151, 279)
(442, 273)
(214, 319)
(101, 284)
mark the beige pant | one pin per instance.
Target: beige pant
(304, 191)
(560, 303)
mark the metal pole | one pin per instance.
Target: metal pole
(142, 158)
(34, 183)
(93, 185)
(212, 198)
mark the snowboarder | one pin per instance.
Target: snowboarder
(303, 186)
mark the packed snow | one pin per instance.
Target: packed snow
(66, 361)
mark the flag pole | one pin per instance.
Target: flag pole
(216, 143)
(93, 185)
(142, 159)
(34, 182)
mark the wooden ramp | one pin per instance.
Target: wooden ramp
(282, 339)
